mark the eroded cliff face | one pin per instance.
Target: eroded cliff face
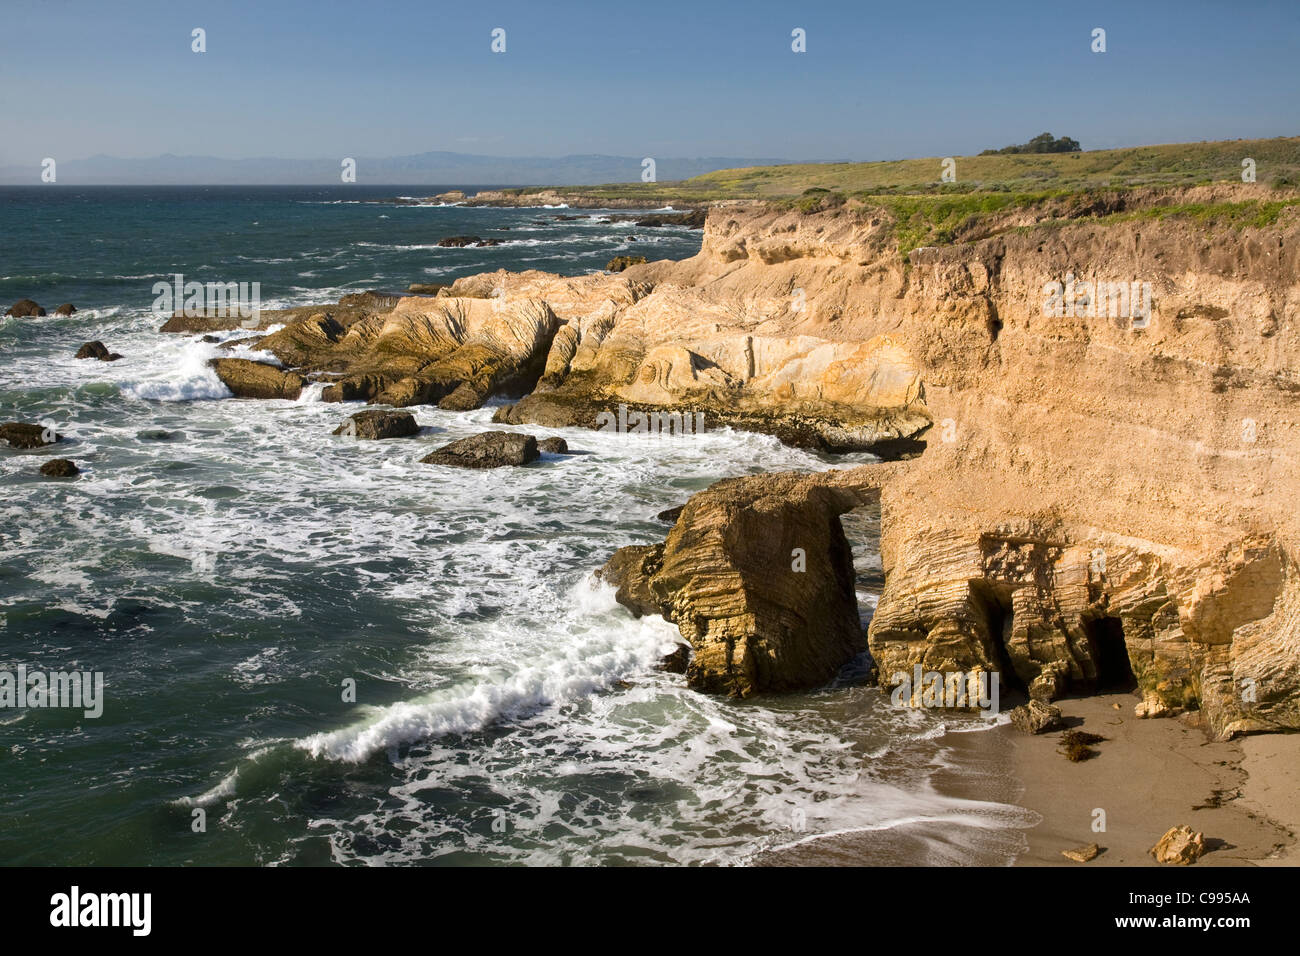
(1105, 486)
(1099, 494)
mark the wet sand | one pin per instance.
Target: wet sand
(1151, 775)
(1148, 776)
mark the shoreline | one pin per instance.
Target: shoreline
(1148, 776)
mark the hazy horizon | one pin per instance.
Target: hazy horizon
(302, 82)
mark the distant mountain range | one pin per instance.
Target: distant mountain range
(434, 168)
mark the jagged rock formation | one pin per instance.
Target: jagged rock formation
(1100, 500)
(619, 263)
(486, 450)
(96, 350)
(25, 435)
(1105, 485)
(24, 308)
(378, 424)
(60, 468)
(249, 379)
(758, 577)
(454, 351)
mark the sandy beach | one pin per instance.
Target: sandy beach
(1148, 776)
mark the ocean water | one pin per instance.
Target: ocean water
(232, 569)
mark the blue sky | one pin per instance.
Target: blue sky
(661, 78)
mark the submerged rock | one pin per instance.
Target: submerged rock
(66, 309)
(486, 450)
(60, 468)
(456, 242)
(23, 308)
(379, 424)
(1180, 846)
(23, 435)
(97, 350)
(249, 379)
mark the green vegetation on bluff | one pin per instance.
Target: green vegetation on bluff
(1182, 164)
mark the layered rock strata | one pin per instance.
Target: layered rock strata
(1104, 499)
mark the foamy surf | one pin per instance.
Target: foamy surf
(590, 664)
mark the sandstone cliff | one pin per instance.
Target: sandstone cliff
(1100, 495)
(1105, 484)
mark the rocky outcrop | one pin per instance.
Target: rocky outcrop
(456, 351)
(486, 450)
(23, 435)
(735, 338)
(758, 577)
(553, 446)
(1104, 499)
(66, 309)
(60, 468)
(249, 379)
(24, 308)
(97, 350)
(377, 424)
(1099, 491)
(619, 263)
(349, 310)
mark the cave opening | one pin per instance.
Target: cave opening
(996, 605)
(1110, 654)
(861, 529)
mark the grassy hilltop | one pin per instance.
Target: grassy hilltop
(993, 193)
(1277, 163)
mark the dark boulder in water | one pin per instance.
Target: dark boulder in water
(97, 350)
(159, 434)
(678, 661)
(249, 379)
(630, 570)
(694, 219)
(23, 435)
(23, 308)
(60, 468)
(379, 424)
(66, 309)
(553, 446)
(486, 450)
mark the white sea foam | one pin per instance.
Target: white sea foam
(564, 674)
